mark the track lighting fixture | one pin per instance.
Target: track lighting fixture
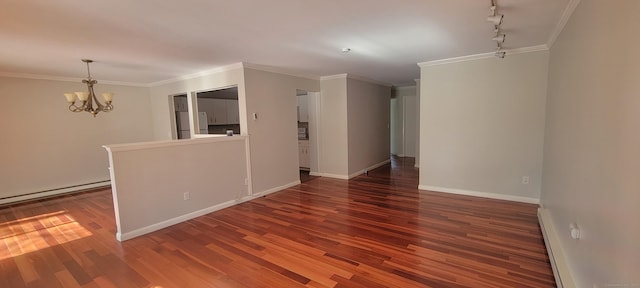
(496, 20)
(499, 38)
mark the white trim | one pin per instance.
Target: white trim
(566, 15)
(198, 74)
(480, 194)
(483, 56)
(67, 79)
(352, 175)
(182, 218)
(332, 77)
(329, 175)
(164, 224)
(276, 189)
(561, 271)
(354, 77)
(199, 138)
(279, 70)
(405, 87)
(55, 192)
(374, 166)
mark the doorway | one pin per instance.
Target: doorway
(307, 132)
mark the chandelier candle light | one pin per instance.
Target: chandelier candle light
(88, 98)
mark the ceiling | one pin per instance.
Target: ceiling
(147, 41)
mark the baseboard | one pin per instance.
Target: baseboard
(329, 175)
(365, 170)
(164, 224)
(559, 265)
(275, 189)
(54, 192)
(173, 221)
(480, 194)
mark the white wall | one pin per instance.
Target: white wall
(333, 153)
(45, 146)
(592, 154)
(368, 122)
(482, 125)
(274, 135)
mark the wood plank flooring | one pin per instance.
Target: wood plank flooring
(376, 230)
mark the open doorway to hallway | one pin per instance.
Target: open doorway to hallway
(307, 128)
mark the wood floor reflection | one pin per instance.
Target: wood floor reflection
(376, 230)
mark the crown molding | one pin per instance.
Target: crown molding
(404, 87)
(566, 15)
(279, 70)
(355, 77)
(336, 76)
(529, 49)
(66, 79)
(199, 74)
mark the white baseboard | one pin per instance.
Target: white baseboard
(275, 189)
(169, 222)
(164, 224)
(55, 192)
(329, 175)
(480, 194)
(374, 166)
(559, 265)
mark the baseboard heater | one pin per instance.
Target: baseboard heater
(559, 264)
(54, 192)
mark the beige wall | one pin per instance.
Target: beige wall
(592, 154)
(150, 179)
(482, 125)
(45, 146)
(368, 122)
(273, 136)
(333, 153)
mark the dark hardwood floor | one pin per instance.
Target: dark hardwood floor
(376, 230)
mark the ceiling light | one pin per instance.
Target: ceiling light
(346, 50)
(499, 38)
(495, 19)
(500, 53)
(88, 98)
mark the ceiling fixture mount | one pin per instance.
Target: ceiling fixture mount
(346, 50)
(88, 98)
(496, 20)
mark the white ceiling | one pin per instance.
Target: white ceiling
(146, 41)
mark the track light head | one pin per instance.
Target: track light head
(499, 38)
(500, 53)
(495, 19)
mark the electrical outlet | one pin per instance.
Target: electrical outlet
(525, 180)
(186, 195)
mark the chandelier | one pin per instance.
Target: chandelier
(89, 98)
